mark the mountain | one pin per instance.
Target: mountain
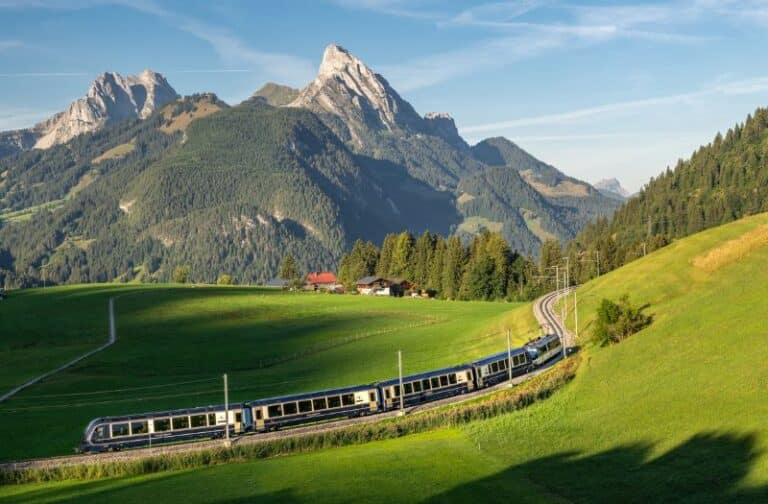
(111, 98)
(276, 94)
(612, 188)
(233, 189)
(721, 182)
(575, 202)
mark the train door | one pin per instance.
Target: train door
(236, 420)
(258, 418)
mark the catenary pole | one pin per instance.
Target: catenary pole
(576, 314)
(402, 390)
(597, 261)
(509, 355)
(226, 411)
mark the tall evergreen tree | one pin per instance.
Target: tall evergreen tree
(454, 260)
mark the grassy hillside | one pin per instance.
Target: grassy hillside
(175, 342)
(676, 412)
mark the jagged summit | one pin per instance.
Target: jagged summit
(612, 188)
(111, 97)
(362, 99)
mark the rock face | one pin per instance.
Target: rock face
(441, 124)
(612, 188)
(363, 100)
(110, 98)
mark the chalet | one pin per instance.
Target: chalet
(378, 286)
(321, 280)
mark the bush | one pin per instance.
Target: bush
(181, 274)
(617, 321)
(225, 280)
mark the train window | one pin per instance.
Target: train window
(139, 427)
(275, 411)
(290, 408)
(397, 391)
(211, 418)
(386, 393)
(372, 396)
(408, 388)
(435, 382)
(180, 422)
(502, 365)
(120, 429)
(197, 420)
(318, 404)
(162, 424)
(452, 378)
(305, 406)
(425, 384)
(495, 367)
(348, 399)
(444, 381)
(334, 402)
(258, 413)
(101, 432)
(417, 386)
(238, 417)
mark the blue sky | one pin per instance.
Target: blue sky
(598, 89)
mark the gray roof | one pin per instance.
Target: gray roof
(368, 280)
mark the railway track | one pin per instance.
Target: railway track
(543, 309)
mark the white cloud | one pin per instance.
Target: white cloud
(10, 44)
(740, 87)
(399, 8)
(230, 48)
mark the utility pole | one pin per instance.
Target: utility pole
(643, 249)
(576, 313)
(226, 412)
(509, 356)
(402, 390)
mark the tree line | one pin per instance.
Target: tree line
(484, 268)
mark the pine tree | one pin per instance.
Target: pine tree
(384, 266)
(454, 260)
(403, 260)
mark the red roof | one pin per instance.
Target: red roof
(321, 277)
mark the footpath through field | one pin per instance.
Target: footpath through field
(110, 340)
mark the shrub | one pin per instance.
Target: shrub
(617, 321)
(181, 274)
(225, 280)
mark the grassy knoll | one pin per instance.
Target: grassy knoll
(174, 343)
(676, 412)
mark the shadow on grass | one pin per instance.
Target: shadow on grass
(708, 467)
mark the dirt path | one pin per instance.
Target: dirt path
(110, 341)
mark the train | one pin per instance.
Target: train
(114, 433)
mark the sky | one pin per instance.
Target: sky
(598, 89)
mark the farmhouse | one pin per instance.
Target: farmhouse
(321, 280)
(378, 286)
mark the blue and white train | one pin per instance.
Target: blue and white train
(262, 415)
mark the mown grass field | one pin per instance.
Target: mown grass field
(174, 343)
(675, 413)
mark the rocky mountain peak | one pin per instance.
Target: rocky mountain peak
(363, 99)
(611, 187)
(110, 98)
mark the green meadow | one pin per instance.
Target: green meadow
(677, 412)
(174, 343)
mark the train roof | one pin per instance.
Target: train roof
(428, 374)
(497, 356)
(308, 395)
(169, 413)
(542, 340)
